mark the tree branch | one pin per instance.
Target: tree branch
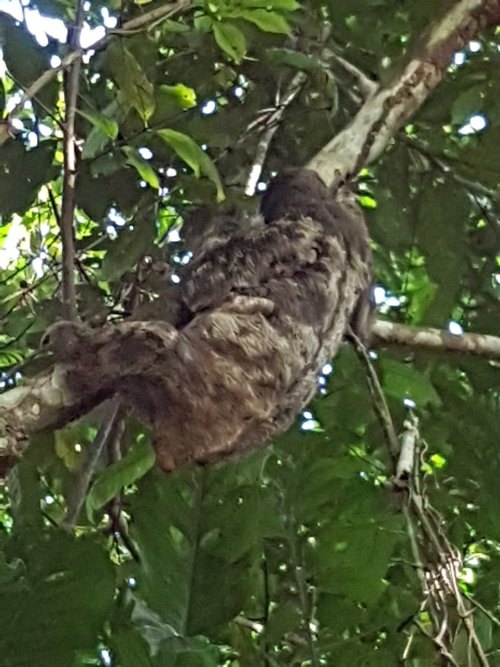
(108, 431)
(46, 402)
(365, 85)
(378, 120)
(480, 345)
(272, 124)
(69, 180)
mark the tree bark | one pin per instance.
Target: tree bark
(376, 123)
(388, 333)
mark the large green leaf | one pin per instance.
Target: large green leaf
(145, 171)
(108, 126)
(230, 39)
(55, 595)
(266, 20)
(194, 157)
(441, 233)
(206, 578)
(22, 172)
(134, 85)
(132, 243)
(26, 61)
(402, 381)
(139, 459)
(353, 558)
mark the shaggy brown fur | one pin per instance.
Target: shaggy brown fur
(259, 313)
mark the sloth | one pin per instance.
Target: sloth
(258, 312)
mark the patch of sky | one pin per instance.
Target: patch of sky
(105, 656)
(384, 300)
(145, 152)
(309, 425)
(476, 123)
(455, 328)
(45, 27)
(209, 107)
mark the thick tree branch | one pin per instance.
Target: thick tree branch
(46, 401)
(480, 345)
(378, 120)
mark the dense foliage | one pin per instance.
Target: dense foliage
(303, 553)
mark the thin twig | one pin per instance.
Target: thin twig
(128, 28)
(106, 431)
(69, 178)
(438, 643)
(152, 18)
(272, 124)
(298, 567)
(482, 609)
(441, 162)
(379, 403)
(119, 526)
(41, 104)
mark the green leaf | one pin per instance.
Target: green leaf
(266, 20)
(203, 584)
(56, 599)
(283, 619)
(466, 104)
(145, 171)
(188, 652)
(169, 100)
(26, 60)
(139, 459)
(22, 172)
(137, 90)
(170, 26)
(94, 144)
(353, 557)
(104, 123)
(443, 212)
(25, 494)
(402, 381)
(230, 39)
(189, 151)
(108, 126)
(183, 96)
(132, 243)
(295, 59)
(289, 5)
